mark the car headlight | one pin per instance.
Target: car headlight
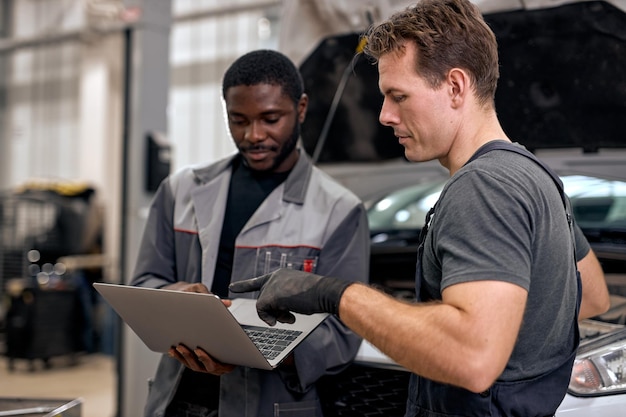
(600, 366)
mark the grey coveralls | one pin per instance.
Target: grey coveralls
(308, 222)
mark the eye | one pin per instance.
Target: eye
(236, 121)
(271, 118)
(398, 98)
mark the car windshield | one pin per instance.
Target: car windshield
(597, 203)
(404, 209)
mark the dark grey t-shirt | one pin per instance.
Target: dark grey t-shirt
(501, 218)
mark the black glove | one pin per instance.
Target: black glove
(286, 290)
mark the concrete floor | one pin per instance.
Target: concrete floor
(90, 377)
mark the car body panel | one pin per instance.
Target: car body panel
(609, 406)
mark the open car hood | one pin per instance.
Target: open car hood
(562, 85)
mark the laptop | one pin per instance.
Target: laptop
(233, 335)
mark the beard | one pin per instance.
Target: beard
(288, 147)
(283, 153)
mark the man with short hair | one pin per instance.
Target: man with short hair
(267, 207)
(495, 333)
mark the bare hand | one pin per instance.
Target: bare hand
(193, 287)
(188, 287)
(198, 360)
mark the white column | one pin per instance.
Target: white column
(100, 130)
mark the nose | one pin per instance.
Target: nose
(387, 116)
(255, 132)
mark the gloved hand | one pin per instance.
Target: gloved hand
(286, 290)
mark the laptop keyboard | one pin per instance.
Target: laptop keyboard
(270, 340)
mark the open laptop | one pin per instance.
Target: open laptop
(165, 318)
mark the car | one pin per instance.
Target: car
(562, 94)
(598, 382)
(598, 205)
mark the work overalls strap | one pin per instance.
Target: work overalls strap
(539, 396)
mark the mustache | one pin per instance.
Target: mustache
(259, 147)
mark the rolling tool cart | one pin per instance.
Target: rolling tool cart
(43, 311)
(42, 324)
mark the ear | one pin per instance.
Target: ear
(303, 104)
(458, 82)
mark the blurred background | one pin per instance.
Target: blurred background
(101, 99)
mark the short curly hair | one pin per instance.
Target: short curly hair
(265, 66)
